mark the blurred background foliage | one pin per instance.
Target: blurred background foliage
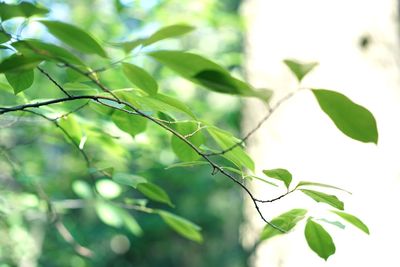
(35, 157)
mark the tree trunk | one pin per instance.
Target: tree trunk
(357, 47)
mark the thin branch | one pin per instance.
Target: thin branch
(53, 81)
(271, 110)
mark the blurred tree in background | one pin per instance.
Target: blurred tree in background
(41, 158)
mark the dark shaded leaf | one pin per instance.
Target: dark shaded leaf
(20, 81)
(23, 9)
(353, 120)
(18, 63)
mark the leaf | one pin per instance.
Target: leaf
(18, 63)
(129, 123)
(74, 37)
(246, 176)
(300, 69)
(46, 50)
(4, 37)
(162, 34)
(353, 120)
(286, 221)
(319, 240)
(109, 214)
(280, 174)
(140, 78)
(182, 149)
(130, 223)
(182, 226)
(72, 127)
(186, 164)
(108, 189)
(20, 81)
(324, 198)
(82, 189)
(305, 183)
(225, 140)
(168, 32)
(205, 72)
(154, 192)
(175, 103)
(335, 223)
(23, 9)
(128, 179)
(353, 220)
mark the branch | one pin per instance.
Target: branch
(53, 81)
(271, 110)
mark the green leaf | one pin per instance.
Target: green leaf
(324, 198)
(108, 189)
(162, 34)
(72, 127)
(280, 174)
(319, 240)
(49, 51)
(18, 63)
(182, 226)
(175, 103)
(353, 120)
(128, 179)
(205, 72)
(225, 140)
(140, 78)
(154, 192)
(286, 221)
(20, 81)
(353, 220)
(23, 9)
(194, 135)
(82, 189)
(129, 123)
(305, 183)
(109, 214)
(300, 69)
(168, 32)
(74, 37)
(130, 223)
(4, 37)
(186, 164)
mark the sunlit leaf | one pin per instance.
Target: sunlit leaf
(353, 220)
(286, 221)
(109, 214)
(131, 124)
(82, 189)
(305, 183)
(299, 69)
(140, 78)
(108, 189)
(154, 192)
(353, 120)
(130, 223)
(226, 140)
(335, 223)
(167, 32)
(182, 226)
(324, 198)
(20, 81)
(194, 136)
(186, 164)
(128, 179)
(74, 37)
(280, 174)
(319, 239)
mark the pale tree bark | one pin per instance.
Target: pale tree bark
(302, 139)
